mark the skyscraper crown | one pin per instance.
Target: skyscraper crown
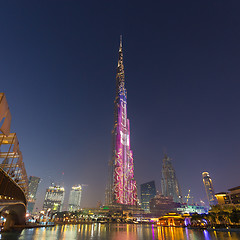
(120, 78)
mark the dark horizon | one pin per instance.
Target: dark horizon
(58, 66)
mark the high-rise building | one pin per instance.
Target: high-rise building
(148, 191)
(230, 197)
(170, 185)
(75, 198)
(121, 188)
(32, 191)
(234, 194)
(207, 181)
(54, 198)
(161, 205)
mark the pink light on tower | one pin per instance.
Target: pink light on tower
(123, 188)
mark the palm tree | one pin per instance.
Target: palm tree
(211, 217)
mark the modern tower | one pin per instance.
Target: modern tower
(207, 181)
(32, 191)
(170, 186)
(148, 191)
(54, 198)
(75, 198)
(121, 187)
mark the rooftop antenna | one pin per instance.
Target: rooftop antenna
(188, 196)
(120, 47)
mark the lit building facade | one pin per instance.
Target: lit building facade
(32, 192)
(148, 191)
(230, 197)
(207, 181)
(54, 198)
(170, 185)
(223, 198)
(234, 194)
(75, 198)
(121, 188)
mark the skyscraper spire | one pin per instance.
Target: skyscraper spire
(120, 47)
(120, 78)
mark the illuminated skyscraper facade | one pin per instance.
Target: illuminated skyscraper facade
(54, 198)
(207, 181)
(121, 187)
(75, 198)
(148, 191)
(32, 191)
(170, 185)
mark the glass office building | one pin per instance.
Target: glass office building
(148, 191)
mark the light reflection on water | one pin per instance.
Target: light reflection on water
(117, 232)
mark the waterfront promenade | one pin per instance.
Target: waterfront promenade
(99, 231)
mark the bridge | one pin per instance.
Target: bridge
(13, 177)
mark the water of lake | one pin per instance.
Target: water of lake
(117, 232)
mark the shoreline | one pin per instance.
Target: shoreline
(22, 227)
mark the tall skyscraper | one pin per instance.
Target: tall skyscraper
(207, 181)
(170, 186)
(32, 191)
(54, 198)
(148, 191)
(121, 187)
(75, 198)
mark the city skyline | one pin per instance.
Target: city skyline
(182, 72)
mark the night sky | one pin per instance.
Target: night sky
(57, 67)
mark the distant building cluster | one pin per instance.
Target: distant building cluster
(54, 197)
(170, 199)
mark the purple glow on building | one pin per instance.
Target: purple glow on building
(124, 185)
